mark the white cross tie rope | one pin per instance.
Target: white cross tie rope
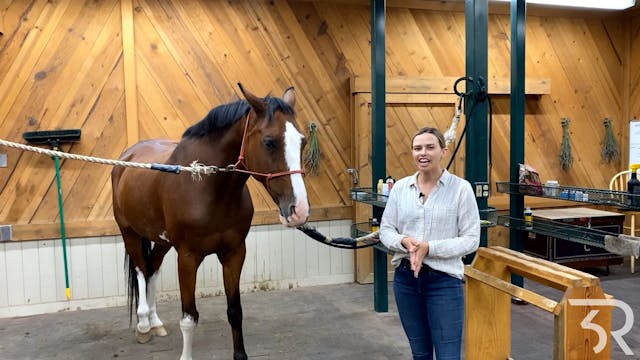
(196, 169)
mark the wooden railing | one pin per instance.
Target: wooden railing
(488, 306)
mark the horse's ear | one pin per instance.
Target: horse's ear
(258, 104)
(289, 96)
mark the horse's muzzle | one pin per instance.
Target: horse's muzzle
(295, 215)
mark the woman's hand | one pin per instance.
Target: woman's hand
(417, 251)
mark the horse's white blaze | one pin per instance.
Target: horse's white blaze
(187, 326)
(292, 146)
(143, 307)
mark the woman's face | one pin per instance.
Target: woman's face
(427, 152)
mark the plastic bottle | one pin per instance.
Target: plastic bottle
(636, 190)
(374, 225)
(390, 182)
(633, 185)
(380, 186)
(528, 218)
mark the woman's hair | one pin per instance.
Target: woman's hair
(433, 131)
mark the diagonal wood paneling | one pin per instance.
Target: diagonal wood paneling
(62, 66)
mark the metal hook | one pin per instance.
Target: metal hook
(354, 175)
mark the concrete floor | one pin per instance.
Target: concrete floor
(323, 322)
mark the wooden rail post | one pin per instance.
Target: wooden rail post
(488, 306)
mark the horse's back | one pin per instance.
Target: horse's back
(157, 150)
(148, 151)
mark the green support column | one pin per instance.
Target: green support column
(476, 158)
(378, 142)
(516, 202)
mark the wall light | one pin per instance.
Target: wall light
(596, 4)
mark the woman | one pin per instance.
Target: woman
(430, 221)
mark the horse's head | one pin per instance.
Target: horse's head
(273, 153)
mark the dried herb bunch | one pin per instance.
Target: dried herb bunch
(312, 153)
(566, 159)
(610, 149)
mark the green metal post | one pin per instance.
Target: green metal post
(378, 142)
(62, 229)
(476, 164)
(516, 202)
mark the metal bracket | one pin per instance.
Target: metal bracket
(354, 175)
(5, 233)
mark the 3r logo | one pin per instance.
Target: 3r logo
(602, 335)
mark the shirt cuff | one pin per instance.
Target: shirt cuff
(397, 244)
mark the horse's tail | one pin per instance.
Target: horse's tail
(132, 288)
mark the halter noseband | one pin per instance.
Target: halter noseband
(245, 168)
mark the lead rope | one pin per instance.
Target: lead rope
(361, 242)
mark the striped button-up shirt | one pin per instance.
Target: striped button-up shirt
(448, 220)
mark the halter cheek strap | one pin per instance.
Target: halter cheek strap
(245, 168)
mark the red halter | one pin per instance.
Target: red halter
(245, 168)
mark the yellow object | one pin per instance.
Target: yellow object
(528, 218)
(634, 167)
(67, 292)
(380, 184)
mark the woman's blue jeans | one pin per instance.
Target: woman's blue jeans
(431, 309)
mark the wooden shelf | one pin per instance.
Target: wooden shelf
(444, 85)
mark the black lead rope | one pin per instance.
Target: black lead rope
(341, 242)
(481, 95)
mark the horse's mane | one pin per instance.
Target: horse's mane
(223, 116)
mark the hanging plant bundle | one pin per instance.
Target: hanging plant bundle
(566, 159)
(610, 149)
(312, 153)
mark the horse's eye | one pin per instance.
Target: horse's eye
(270, 144)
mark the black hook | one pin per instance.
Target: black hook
(455, 86)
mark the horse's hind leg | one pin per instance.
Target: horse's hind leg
(149, 324)
(231, 269)
(144, 263)
(157, 255)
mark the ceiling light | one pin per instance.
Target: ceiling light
(595, 4)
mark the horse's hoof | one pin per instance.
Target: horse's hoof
(158, 331)
(143, 338)
(240, 356)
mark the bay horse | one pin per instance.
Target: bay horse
(158, 210)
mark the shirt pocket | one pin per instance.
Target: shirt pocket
(444, 218)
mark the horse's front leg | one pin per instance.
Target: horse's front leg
(231, 270)
(187, 270)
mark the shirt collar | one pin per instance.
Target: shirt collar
(443, 180)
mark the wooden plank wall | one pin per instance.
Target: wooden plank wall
(87, 64)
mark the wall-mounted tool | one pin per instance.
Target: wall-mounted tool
(54, 138)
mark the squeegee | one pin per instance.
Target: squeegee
(54, 138)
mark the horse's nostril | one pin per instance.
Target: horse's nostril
(292, 209)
